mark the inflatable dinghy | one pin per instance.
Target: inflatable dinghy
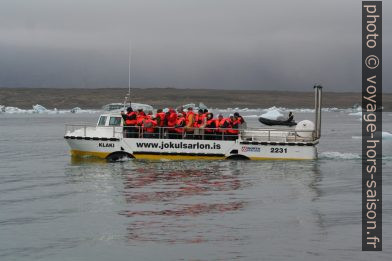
(270, 122)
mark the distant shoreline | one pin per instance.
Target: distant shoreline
(50, 98)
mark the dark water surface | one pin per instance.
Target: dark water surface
(55, 208)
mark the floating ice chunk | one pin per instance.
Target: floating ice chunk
(10, 109)
(76, 109)
(194, 106)
(272, 114)
(356, 114)
(386, 135)
(250, 116)
(202, 106)
(338, 155)
(39, 108)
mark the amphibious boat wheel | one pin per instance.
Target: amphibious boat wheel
(237, 157)
(118, 155)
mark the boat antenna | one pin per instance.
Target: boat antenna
(129, 69)
(128, 95)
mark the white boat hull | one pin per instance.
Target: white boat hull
(142, 148)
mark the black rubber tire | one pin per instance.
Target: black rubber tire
(237, 157)
(115, 156)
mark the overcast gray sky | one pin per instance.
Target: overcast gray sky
(220, 44)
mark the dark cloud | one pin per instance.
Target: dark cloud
(248, 44)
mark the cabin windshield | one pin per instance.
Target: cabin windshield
(115, 121)
(102, 121)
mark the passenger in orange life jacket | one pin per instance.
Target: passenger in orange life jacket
(150, 115)
(139, 120)
(232, 132)
(180, 124)
(200, 119)
(171, 120)
(140, 117)
(129, 123)
(160, 118)
(200, 123)
(223, 125)
(209, 132)
(149, 125)
(241, 124)
(189, 122)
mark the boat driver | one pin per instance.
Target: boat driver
(291, 117)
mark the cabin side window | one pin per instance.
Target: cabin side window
(102, 121)
(115, 121)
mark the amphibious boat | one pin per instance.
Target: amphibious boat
(109, 139)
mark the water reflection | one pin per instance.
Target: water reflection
(163, 183)
(204, 201)
(162, 195)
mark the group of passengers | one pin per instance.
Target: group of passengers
(178, 124)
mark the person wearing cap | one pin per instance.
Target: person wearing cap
(130, 131)
(160, 117)
(240, 121)
(222, 125)
(232, 131)
(210, 127)
(200, 123)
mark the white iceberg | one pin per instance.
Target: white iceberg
(272, 114)
(386, 135)
(359, 113)
(75, 110)
(338, 155)
(39, 108)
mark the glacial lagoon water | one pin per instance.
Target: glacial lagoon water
(53, 207)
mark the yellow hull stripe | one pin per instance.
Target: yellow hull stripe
(80, 153)
(103, 155)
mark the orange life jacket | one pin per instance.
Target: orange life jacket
(188, 118)
(180, 123)
(210, 126)
(140, 117)
(161, 116)
(223, 124)
(151, 125)
(233, 127)
(172, 119)
(131, 119)
(199, 120)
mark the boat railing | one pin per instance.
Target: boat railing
(248, 134)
